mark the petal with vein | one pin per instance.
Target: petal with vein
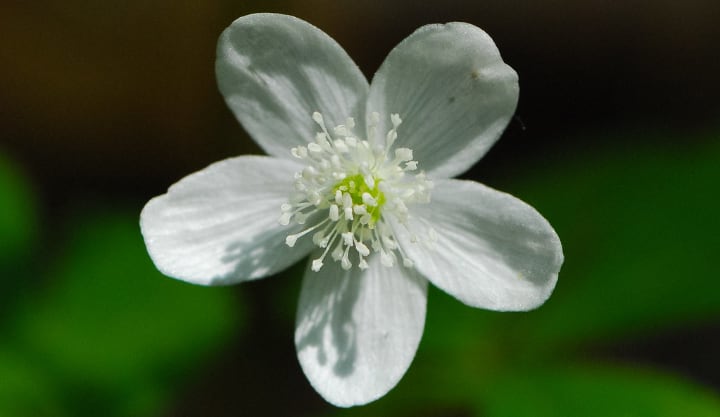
(220, 225)
(453, 92)
(357, 331)
(276, 70)
(492, 250)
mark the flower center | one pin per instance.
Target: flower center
(358, 189)
(350, 190)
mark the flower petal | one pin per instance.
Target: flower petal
(276, 70)
(453, 92)
(357, 331)
(220, 225)
(492, 250)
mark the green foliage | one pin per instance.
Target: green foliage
(109, 335)
(18, 233)
(640, 234)
(25, 390)
(18, 213)
(597, 392)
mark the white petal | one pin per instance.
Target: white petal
(276, 70)
(357, 331)
(453, 92)
(492, 250)
(220, 225)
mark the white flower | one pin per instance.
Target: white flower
(358, 177)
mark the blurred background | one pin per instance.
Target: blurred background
(616, 141)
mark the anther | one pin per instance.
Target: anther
(334, 213)
(316, 265)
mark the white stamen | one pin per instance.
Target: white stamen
(341, 130)
(299, 152)
(290, 240)
(285, 219)
(369, 181)
(314, 147)
(369, 200)
(334, 213)
(356, 187)
(316, 265)
(318, 118)
(403, 154)
(341, 146)
(361, 248)
(396, 120)
(348, 238)
(345, 263)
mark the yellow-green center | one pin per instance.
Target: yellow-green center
(356, 186)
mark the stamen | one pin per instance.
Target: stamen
(403, 154)
(334, 213)
(358, 186)
(361, 248)
(314, 147)
(369, 200)
(316, 265)
(395, 119)
(318, 118)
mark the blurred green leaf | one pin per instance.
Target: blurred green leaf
(596, 392)
(24, 390)
(110, 330)
(640, 234)
(18, 235)
(18, 213)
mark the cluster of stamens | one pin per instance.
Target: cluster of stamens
(349, 188)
